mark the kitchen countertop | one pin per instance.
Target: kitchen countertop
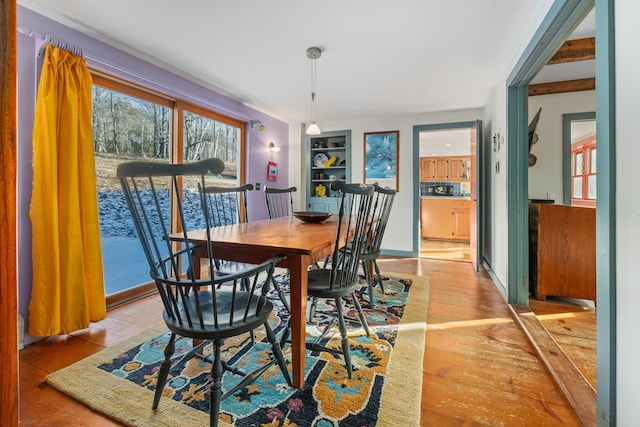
(446, 197)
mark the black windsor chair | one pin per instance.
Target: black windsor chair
(383, 201)
(279, 201)
(195, 307)
(228, 206)
(339, 277)
(280, 204)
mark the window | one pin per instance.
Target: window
(131, 123)
(206, 134)
(583, 172)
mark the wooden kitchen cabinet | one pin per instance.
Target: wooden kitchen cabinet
(455, 169)
(445, 219)
(459, 168)
(435, 218)
(461, 220)
(427, 169)
(442, 169)
(434, 169)
(445, 169)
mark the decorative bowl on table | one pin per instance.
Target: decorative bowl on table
(312, 216)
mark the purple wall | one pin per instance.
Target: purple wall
(118, 63)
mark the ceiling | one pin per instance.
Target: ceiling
(378, 59)
(456, 142)
(572, 70)
(451, 142)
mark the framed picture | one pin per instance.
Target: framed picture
(272, 171)
(381, 158)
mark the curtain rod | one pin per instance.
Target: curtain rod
(51, 40)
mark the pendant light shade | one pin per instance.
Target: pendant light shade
(313, 129)
(313, 53)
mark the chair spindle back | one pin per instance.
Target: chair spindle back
(279, 201)
(355, 204)
(190, 302)
(227, 205)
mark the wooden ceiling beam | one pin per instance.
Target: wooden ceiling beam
(563, 86)
(575, 50)
(570, 51)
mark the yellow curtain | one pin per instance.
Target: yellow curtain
(68, 286)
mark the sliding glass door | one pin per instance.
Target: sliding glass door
(130, 123)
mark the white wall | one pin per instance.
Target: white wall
(627, 217)
(296, 167)
(495, 121)
(399, 234)
(546, 176)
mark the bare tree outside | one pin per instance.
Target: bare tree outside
(205, 137)
(128, 127)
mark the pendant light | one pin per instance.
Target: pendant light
(313, 53)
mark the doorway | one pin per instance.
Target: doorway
(561, 190)
(557, 25)
(446, 191)
(439, 188)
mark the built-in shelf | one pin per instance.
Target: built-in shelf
(324, 147)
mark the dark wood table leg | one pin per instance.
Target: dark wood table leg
(298, 278)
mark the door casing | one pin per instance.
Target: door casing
(562, 18)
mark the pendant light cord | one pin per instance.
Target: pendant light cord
(313, 90)
(313, 53)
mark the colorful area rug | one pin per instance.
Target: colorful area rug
(384, 391)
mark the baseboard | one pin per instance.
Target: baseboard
(401, 254)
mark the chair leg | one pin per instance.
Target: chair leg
(346, 350)
(277, 352)
(281, 294)
(312, 308)
(285, 334)
(378, 275)
(164, 370)
(363, 320)
(246, 284)
(367, 275)
(251, 377)
(216, 387)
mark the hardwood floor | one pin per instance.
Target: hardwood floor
(479, 368)
(572, 323)
(445, 250)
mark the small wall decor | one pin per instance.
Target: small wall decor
(381, 158)
(272, 171)
(533, 137)
(497, 141)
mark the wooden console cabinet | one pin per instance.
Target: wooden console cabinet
(562, 251)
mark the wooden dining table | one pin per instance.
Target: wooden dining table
(301, 242)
